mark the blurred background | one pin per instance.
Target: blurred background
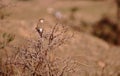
(99, 18)
(95, 23)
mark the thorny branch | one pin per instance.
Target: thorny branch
(33, 59)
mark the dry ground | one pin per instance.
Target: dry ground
(88, 49)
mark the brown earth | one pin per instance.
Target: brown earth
(89, 50)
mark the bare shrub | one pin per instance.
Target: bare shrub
(5, 40)
(35, 59)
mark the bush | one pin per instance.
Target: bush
(35, 58)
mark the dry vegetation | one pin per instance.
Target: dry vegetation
(84, 55)
(36, 58)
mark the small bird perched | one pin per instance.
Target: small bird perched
(40, 30)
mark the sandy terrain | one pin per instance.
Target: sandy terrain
(88, 49)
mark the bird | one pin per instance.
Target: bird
(38, 28)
